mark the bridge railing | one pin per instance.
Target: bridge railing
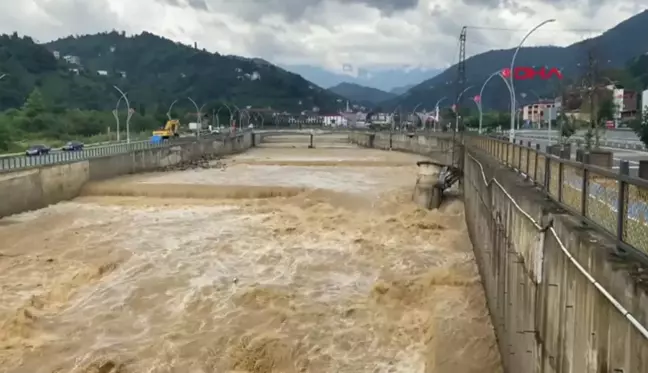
(17, 163)
(614, 202)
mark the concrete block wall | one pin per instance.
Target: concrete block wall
(38, 187)
(559, 301)
(439, 147)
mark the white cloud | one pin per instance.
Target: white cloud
(362, 33)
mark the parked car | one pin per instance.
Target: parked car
(39, 149)
(72, 146)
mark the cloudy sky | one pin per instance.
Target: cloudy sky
(325, 33)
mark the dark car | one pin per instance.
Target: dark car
(39, 149)
(72, 146)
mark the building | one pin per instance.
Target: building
(540, 112)
(102, 72)
(644, 102)
(74, 60)
(56, 54)
(381, 119)
(629, 104)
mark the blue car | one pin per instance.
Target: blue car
(72, 146)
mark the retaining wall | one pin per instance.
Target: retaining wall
(38, 187)
(561, 300)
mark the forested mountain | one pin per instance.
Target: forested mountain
(158, 71)
(64, 90)
(366, 96)
(612, 50)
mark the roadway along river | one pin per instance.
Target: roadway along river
(282, 259)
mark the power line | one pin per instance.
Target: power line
(583, 30)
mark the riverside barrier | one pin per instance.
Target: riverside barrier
(41, 185)
(561, 297)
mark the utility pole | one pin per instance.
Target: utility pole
(459, 84)
(593, 102)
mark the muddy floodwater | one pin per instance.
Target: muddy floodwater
(281, 259)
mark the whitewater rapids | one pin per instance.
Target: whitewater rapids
(277, 260)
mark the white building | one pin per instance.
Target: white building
(74, 60)
(334, 120)
(540, 112)
(102, 72)
(644, 102)
(56, 54)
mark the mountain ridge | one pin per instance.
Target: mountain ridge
(383, 79)
(615, 47)
(367, 96)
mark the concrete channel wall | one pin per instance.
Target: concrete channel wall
(41, 186)
(559, 300)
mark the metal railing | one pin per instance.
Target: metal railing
(16, 163)
(613, 202)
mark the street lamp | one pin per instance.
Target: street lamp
(393, 121)
(115, 113)
(128, 117)
(457, 108)
(414, 110)
(512, 75)
(2, 76)
(169, 110)
(481, 93)
(198, 115)
(436, 108)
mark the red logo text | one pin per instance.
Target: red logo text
(527, 73)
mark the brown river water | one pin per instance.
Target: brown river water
(281, 259)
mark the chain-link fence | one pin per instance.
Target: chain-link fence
(615, 202)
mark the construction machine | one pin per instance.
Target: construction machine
(170, 129)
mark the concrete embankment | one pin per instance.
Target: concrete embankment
(38, 187)
(559, 298)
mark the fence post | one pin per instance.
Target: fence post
(520, 155)
(535, 167)
(528, 159)
(561, 171)
(547, 178)
(622, 203)
(585, 184)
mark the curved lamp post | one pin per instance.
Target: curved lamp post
(481, 94)
(436, 108)
(393, 121)
(512, 86)
(198, 115)
(457, 108)
(115, 113)
(414, 110)
(168, 113)
(128, 117)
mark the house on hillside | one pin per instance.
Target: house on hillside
(74, 60)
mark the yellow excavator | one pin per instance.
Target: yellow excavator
(170, 129)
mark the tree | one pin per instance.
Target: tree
(567, 128)
(641, 128)
(35, 104)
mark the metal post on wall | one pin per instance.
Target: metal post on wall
(622, 203)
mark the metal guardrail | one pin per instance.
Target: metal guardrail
(625, 144)
(17, 163)
(615, 203)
